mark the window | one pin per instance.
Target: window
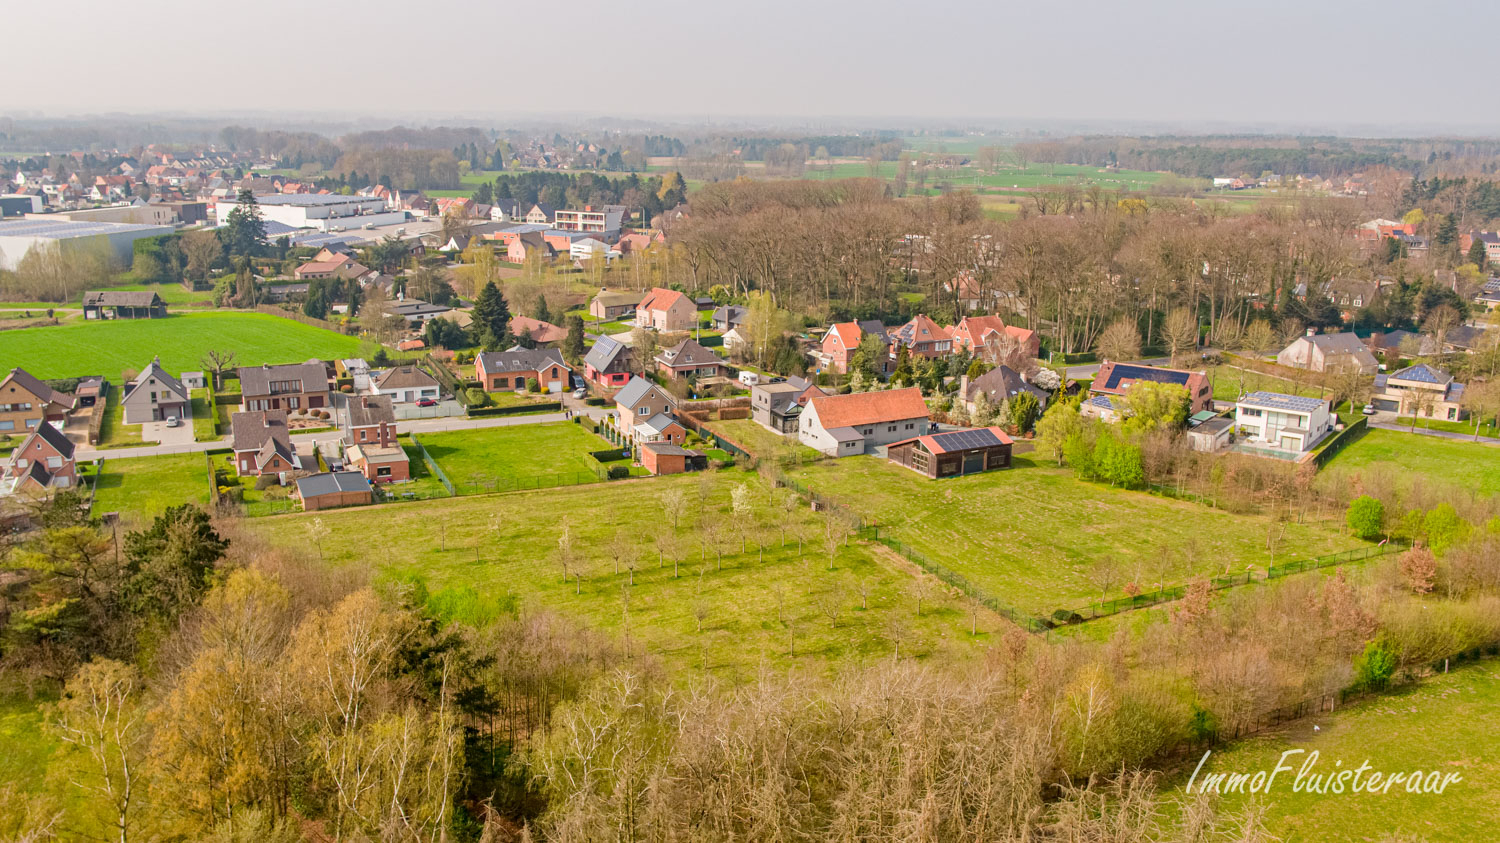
(501, 383)
(910, 425)
(891, 429)
(383, 471)
(1250, 411)
(293, 403)
(7, 425)
(31, 424)
(642, 411)
(54, 462)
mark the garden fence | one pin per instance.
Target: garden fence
(508, 483)
(1341, 440)
(301, 317)
(1357, 554)
(88, 509)
(96, 416)
(432, 465)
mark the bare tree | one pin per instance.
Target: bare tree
(1120, 342)
(217, 362)
(1180, 332)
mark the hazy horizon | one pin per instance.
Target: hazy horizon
(1338, 68)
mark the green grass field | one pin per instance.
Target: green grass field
(113, 431)
(1465, 428)
(784, 610)
(1474, 467)
(759, 441)
(1033, 535)
(28, 748)
(107, 348)
(1444, 724)
(141, 488)
(476, 460)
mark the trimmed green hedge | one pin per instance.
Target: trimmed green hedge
(611, 454)
(480, 412)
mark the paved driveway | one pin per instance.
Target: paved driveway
(158, 432)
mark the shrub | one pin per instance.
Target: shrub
(532, 385)
(1365, 517)
(1374, 667)
(477, 398)
(264, 482)
(619, 472)
(594, 401)
(1066, 616)
(348, 388)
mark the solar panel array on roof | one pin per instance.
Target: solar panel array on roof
(1123, 371)
(1278, 401)
(963, 440)
(62, 229)
(1422, 373)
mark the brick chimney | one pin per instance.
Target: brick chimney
(387, 434)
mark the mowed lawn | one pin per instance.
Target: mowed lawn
(141, 488)
(1032, 536)
(753, 612)
(107, 348)
(760, 441)
(1445, 724)
(1472, 466)
(516, 456)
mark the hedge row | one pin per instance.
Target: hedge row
(479, 412)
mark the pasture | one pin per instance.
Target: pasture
(1039, 539)
(1471, 466)
(1442, 724)
(107, 348)
(523, 455)
(684, 603)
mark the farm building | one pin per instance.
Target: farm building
(954, 453)
(123, 304)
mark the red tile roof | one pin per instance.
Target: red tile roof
(659, 299)
(859, 408)
(848, 333)
(540, 331)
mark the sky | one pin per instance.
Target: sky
(1209, 65)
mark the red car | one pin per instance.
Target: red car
(427, 402)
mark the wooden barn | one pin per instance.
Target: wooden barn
(954, 453)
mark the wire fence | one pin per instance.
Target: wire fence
(432, 467)
(1341, 440)
(1358, 554)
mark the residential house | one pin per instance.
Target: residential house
(262, 444)
(356, 370)
(294, 386)
(529, 245)
(541, 333)
(779, 405)
(600, 219)
(845, 425)
(407, 385)
(666, 310)
(953, 453)
(26, 402)
(659, 428)
(608, 306)
(510, 370)
(1351, 294)
(729, 316)
(1401, 342)
(922, 337)
(1421, 390)
(1329, 353)
(123, 304)
(966, 291)
(370, 443)
(609, 363)
(330, 264)
(999, 386)
(1116, 379)
(330, 489)
(837, 349)
(41, 463)
(667, 458)
(688, 359)
(1106, 408)
(539, 214)
(640, 400)
(975, 333)
(1490, 239)
(415, 311)
(155, 396)
(1280, 422)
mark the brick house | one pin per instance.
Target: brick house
(542, 333)
(667, 458)
(640, 400)
(922, 337)
(330, 489)
(262, 444)
(296, 386)
(846, 425)
(26, 402)
(661, 427)
(41, 463)
(971, 331)
(666, 310)
(609, 363)
(510, 370)
(778, 406)
(843, 339)
(1115, 379)
(688, 359)
(370, 444)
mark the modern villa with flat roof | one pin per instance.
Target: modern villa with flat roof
(1280, 422)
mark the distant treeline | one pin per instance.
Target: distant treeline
(653, 194)
(1206, 160)
(1471, 199)
(293, 148)
(887, 146)
(403, 137)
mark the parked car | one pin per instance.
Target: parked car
(173, 421)
(581, 393)
(427, 402)
(1369, 410)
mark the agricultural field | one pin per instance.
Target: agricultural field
(141, 488)
(729, 615)
(527, 454)
(1033, 536)
(1472, 466)
(108, 348)
(1449, 715)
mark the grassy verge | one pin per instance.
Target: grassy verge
(114, 433)
(1037, 538)
(760, 441)
(1473, 467)
(205, 426)
(1464, 428)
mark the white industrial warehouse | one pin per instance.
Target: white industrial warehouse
(17, 237)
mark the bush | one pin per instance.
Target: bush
(532, 385)
(1365, 517)
(593, 401)
(1066, 616)
(477, 398)
(1374, 667)
(619, 472)
(265, 481)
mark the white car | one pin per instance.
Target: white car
(1369, 410)
(581, 393)
(173, 421)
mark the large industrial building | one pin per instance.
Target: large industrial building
(17, 237)
(323, 211)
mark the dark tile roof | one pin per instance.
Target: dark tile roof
(331, 483)
(689, 353)
(154, 370)
(638, 389)
(370, 410)
(521, 360)
(52, 436)
(604, 353)
(405, 377)
(256, 380)
(121, 298)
